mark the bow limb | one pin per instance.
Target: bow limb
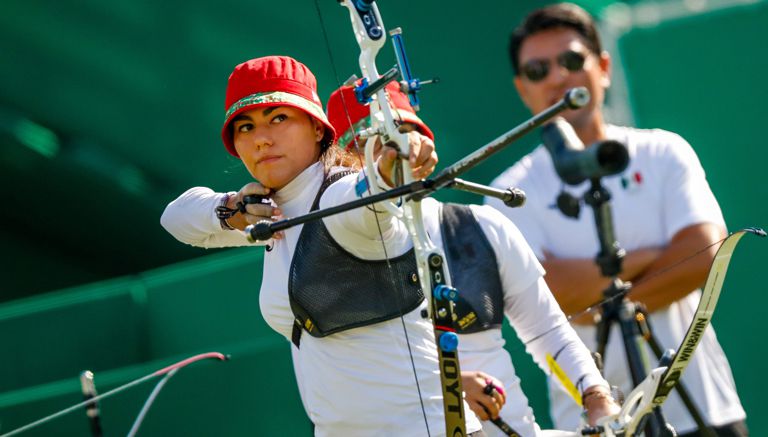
(655, 389)
(704, 311)
(370, 35)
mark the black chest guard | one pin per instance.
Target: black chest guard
(331, 290)
(474, 270)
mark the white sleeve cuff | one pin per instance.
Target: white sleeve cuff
(591, 380)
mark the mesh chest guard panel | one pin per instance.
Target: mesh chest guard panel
(331, 290)
(474, 270)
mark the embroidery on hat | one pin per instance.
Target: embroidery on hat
(277, 97)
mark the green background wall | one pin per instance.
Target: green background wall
(109, 109)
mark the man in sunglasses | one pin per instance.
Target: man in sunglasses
(663, 211)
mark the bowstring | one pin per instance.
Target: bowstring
(371, 180)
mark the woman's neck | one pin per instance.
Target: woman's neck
(295, 187)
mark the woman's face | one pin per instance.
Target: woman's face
(277, 143)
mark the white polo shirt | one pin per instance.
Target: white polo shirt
(662, 191)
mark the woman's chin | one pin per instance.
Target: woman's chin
(274, 183)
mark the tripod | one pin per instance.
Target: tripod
(630, 316)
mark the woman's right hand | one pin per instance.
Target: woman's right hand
(254, 212)
(485, 403)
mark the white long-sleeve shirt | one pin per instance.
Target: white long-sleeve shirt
(335, 373)
(358, 382)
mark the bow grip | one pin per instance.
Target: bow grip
(256, 199)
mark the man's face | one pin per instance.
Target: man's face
(551, 55)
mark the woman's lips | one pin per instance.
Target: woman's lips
(268, 159)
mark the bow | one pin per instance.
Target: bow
(166, 372)
(657, 386)
(653, 391)
(433, 276)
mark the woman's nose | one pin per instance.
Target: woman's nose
(252, 142)
(260, 138)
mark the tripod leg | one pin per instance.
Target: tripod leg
(603, 329)
(625, 314)
(656, 426)
(693, 410)
(631, 336)
(666, 430)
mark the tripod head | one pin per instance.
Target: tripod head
(575, 164)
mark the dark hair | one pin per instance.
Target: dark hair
(563, 15)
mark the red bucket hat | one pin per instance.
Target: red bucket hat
(272, 81)
(360, 114)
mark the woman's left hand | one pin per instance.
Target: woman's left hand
(422, 158)
(599, 403)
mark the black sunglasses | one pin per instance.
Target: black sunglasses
(537, 69)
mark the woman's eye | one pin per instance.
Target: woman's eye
(278, 118)
(245, 127)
